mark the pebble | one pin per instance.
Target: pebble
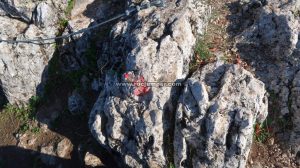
(92, 160)
(271, 141)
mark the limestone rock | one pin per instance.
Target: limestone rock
(268, 40)
(21, 10)
(92, 160)
(156, 44)
(45, 15)
(23, 66)
(48, 155)
(64, 148)
(271, 27)
(215, 117)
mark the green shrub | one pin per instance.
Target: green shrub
(263, 131)
(202, 50)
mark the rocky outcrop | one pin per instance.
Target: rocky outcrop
(92, 160)
(156, 44)
(267, 36)
(273, 29)
(216, 112)
(215, 117)
(22, 65)
(206, 123)
(295, 110)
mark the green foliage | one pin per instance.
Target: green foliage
(35, 130)
(69, 7)
(202, 50)
(202, 54)
(63, 23)
(171, 165)
(25, 114)
(263, 131)
(24, 128)
(34, 102)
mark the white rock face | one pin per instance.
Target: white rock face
(45, 15)
(156, 44)
(22, 65)
(215, 117)
(269, 40)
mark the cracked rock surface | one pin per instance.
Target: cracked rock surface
(215, 117)
(267, 36)
(156, 44)
(22, 65)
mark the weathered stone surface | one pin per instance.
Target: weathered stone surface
(85, 14)
(22, 65)
(268, 39)
(274, 29)
(45, 15)
(156, 44)
(92, 160)
(48, 155)
(215, 117)
(295, 110)
(64, 148)
(21, 10)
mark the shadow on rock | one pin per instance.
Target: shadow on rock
(265, 35)
(12, 12)
(72, 69)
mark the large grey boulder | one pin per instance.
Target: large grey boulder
(23, 65)
(156, 44)
(45, 15)
(215, 117)
(269, 40)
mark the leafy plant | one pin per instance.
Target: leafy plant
(171, 165)
(25, 114)
(202, 50)
(202, 54)
(24, 128)
(69, 7)
(35, 130)
(263, 131)
(63, 23)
